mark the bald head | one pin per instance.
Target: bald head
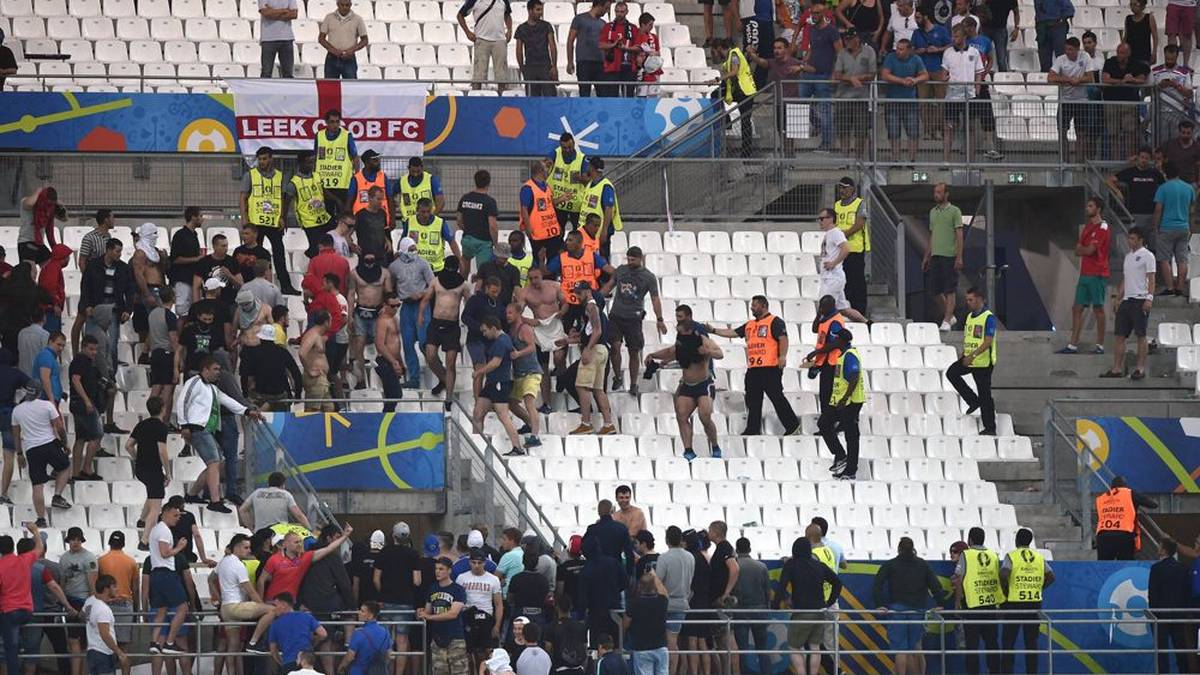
(813, 533)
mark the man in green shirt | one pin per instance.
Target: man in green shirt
(944, 252)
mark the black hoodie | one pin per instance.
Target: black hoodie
(807, 577)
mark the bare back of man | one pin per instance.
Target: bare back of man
(315, 369)
(248, 336)
(544, 300)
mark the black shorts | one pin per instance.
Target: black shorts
(697, 391)
(701, 631)
(1131, 318)
(852, 116)
(955, 112)
(1078, 112)
(627, 330)
(552, 246)
(443, 334)
(162, 367)
(723, 3)
(141, 313)
(565, 217)
(981, 110)
(33, 252)
(47, 455)
(497, 392)
(943, 278)
(156, 487)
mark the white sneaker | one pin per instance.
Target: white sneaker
(945, 328)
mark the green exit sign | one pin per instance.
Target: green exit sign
(1016, 178)
(920, 177)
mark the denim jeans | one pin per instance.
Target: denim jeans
(650, 662)
(1051, 42)
(999, 37)
(335, 68)
(229, 438)
(10, 633)
(743, 631)
(286, 50)
(392, 388)
(412, 334)
(822, 111)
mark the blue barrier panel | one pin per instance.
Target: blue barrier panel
(1154, 454)
(454, 125)
(366, 451)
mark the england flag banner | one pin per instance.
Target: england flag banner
(287, 114)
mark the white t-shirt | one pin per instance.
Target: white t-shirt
(1068, 68)
(488, 17)
(270, 505)
(902, 27)
(1138, 264)
(961, 67)
(533, 661)
(480, 590)
(36, 419)
(830, 247)
(96, 612)
(232, 573)
(161, 533)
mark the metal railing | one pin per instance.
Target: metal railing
(1070, 466)
(265, 453)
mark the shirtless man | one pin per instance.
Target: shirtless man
(389, 362)
(447, 293)
(147, 266)
(250, 316)
(527, 374)
(367, 284)
(544, 299)
(694, 354)
(314, 365)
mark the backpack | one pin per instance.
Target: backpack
(570, 644)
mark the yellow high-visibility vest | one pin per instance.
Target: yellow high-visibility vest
(981, 578)
(827, 556)
(410, 195)
(560, 180)
(334, 164)
(593, 202)
(974, 331)
(264, 204)
(841, 384)
(310, 201)
(1026, 575)
(431, 246)
(846, 214)
(744, 77)
(523, 266)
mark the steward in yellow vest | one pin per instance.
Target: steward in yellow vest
(600, 198)
(846, 400)
(521, 258)
(303, 196)
(1023, 575)
(417, 185)
(736, 76)
(850, 216)
(431, 234)
(566, 179)
(262, 192)
(337, 157)
(978, 360)
(977, 586)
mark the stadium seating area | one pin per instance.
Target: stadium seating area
(919, 475)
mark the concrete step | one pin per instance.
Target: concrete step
(1020, 498)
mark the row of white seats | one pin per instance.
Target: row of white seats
(733, 472)
(1178, 334)
(99, 516)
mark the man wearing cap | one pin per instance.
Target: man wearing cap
(484, 613)
(497, 266)
(466, 544)
(270, 372)
(850, 212)
(79, 571)
(371, 176)
(630, 284)
(251, 315)
(126, 575)
(238, 599)
(397, 578)
(262, 206)
(417, 185)
(362, 567)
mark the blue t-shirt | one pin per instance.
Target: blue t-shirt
(937, 36)
(821, 50)
(293, 633)
(554, 265)
(1176, 198)
(48, 359)
(463, 565)
(368, 643)
(527, 194)
(350, 146)
(983, 44)
(389, 186)
(441, 598)
(850, 366)
(910, 67)
(501, 348)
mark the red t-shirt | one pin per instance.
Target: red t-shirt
(329, 302)
(16, 578)
(324, 263)
(286, 574)
(1095, 234)
(650, 39)
(623, 34)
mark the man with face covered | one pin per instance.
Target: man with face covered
(368, 283)
(694, 353)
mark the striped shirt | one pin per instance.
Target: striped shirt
(93, 244)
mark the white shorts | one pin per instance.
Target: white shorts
(548, 332)
(834, 285)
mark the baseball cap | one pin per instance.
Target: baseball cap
(213, 283)
(849, 33)
(646, 537)
(370, 154)
(575, 547)
(377, 540)
(400, 530)
(633, 252)
(477, 554)
(267, 332)
(116, 539)
(521, 621)
(430, 545)
(276, 540)
(244, 297)
(502, 250)
(75, 533)
(475, 539)
(407, 243)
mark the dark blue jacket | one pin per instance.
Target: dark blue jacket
(1170, 584)
(609, 538)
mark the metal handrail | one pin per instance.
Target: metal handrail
(318, 510)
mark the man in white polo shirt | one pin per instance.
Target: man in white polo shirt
(964, 66)
(493, 30)
(1133, 300)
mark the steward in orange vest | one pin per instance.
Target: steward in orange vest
(1118, 535)
(360, 186)
(826, 356)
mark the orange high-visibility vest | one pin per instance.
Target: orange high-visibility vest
(590, 244)
(832, 357)
(762, 349)
(1115, 512)
(574, 270)
(364, 189)
(543, 219)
